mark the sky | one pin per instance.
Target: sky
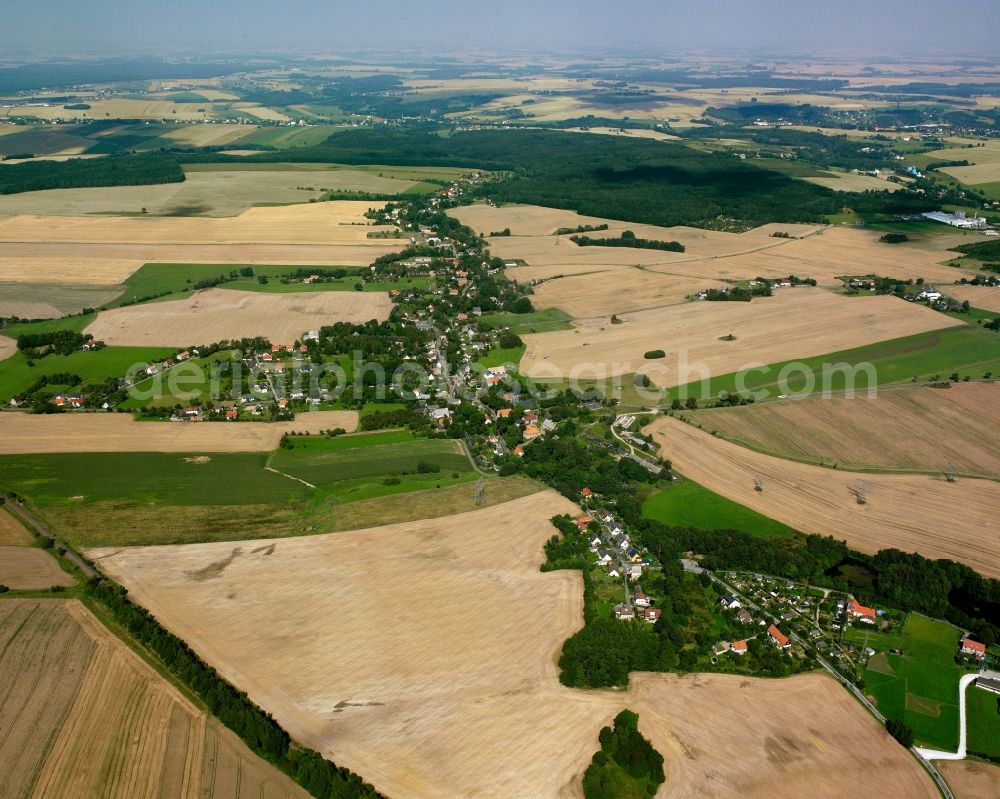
(802, 27)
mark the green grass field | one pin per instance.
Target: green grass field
(179, 279)
(686, 503)
(969, 350)
(983, 717)
(148, 478)
(351, 468)
(500, 356)
(92, 367)
(535, 322)
(74, 323)
(921, 685)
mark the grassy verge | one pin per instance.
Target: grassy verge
(535, 322)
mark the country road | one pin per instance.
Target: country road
(32, 521)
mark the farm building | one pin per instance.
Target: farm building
(970, 647)
(989, 681)
(860, 612)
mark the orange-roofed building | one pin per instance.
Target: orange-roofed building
(503, 413)
(583, 521)
(970, 647)
(739, 647)
(586, 493)
(778, 637)
(532, 431)
(860, 612)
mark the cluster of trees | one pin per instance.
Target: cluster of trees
(232, 707)
(982, 250)
(628, 239)
(894, 238)
(60, 341)
(402, 417)
(118, 170)
(737, 293)
(625, 765)
(900, 731)
(581, 229)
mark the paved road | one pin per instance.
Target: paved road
(934, 754)
(32, 521)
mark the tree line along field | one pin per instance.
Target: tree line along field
(887, 431)
(812, 499)
(454, 706)
(84, 716)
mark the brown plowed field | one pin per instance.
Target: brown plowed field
(914, 428)
(12, 532)
(985, 297)
(422, 655)
(222, 314)
(84, 716)
(913, 513)
(969, 779)
(116, 432)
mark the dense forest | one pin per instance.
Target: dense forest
(119, 170)
(618, 178)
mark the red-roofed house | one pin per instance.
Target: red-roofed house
(582, 522)
(651, 615)
(739, 647)
(641, 600)
(778, 637)
(232, 413)
(860, 612)
(532, 431)
(586, 493)
(970, 647)
(503, 413)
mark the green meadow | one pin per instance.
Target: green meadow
(685, 503)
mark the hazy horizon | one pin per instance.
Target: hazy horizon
(766, 27)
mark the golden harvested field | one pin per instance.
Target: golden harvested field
(120, 108)
(985, 297)
(592, 282)
(848, 182)
(208, 135)
(462, 698)
(8, 347)
(729, 737)
(83, 715)
(983, 158)
(969, 779)
(883, 432)
(220, 314)
(22, 433)
(12, 532)
(913, 513)
(421, 655)
(30, 569)
(216, 193)
(795, 323)
(106, 250)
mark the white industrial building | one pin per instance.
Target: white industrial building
(957, 219)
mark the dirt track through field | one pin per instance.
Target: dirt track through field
(422, 655)
(218, 314)
(22, 433)
(913, 513)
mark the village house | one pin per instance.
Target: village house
(641, 600)
(743, 617)
(652, 615)
(974, 648)
(860, 612)
(721, 648)
(779, 638)
(624, 613)
(739, 647)
(582, 522)
(613, 571)
(730, 603)
(232, 414)
(989, 681)
(603, 558)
